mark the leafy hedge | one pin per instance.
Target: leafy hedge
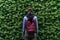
(13, 11)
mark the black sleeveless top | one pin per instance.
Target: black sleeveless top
(30, 16)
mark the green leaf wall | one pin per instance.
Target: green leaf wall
(13, 11)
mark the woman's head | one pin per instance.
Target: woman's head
(30, 10)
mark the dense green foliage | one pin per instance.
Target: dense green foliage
(13, 11)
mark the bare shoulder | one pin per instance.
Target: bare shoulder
(25, 17)
(35, 17)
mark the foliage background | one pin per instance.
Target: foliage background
(13, 11)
